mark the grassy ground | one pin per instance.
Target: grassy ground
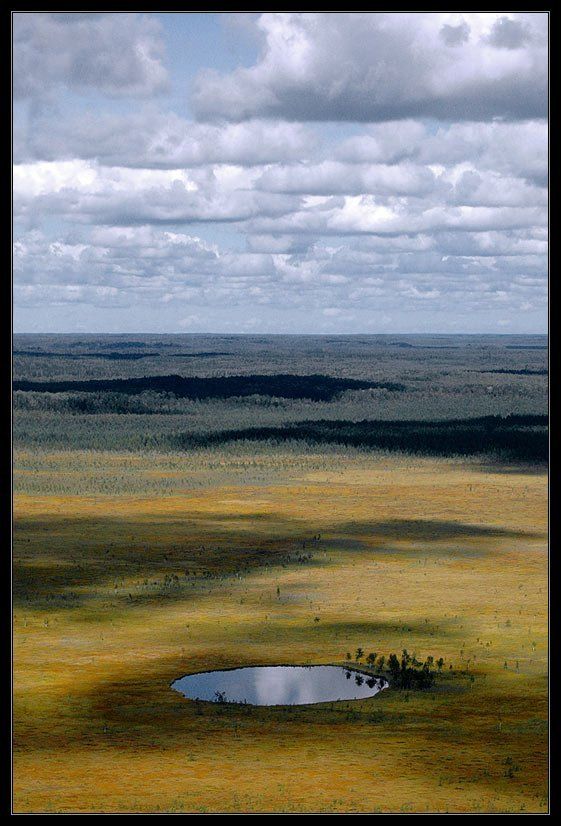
(212, 562)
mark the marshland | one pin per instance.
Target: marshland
(384, 511)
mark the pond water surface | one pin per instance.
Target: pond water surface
(280, 685)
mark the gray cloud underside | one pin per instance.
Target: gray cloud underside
(386, 66)
(160, 140)
(119, 55)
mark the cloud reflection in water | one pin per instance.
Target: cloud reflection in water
(280, 685)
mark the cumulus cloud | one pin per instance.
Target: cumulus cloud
(460, 175)
(116, 54)
(87, 192)
(364, 214)
(146, 267)
(159, 139)
(380, 66)
(516, 149)
(332, 177)
(143, 213)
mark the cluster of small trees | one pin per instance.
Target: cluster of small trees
(405, 671)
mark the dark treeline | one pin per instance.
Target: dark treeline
(109, 356)
(112, 343)
(315, 388)
(213, 354)
(406, 345)
(114, 355)
(523, 372)
(516, 437)
(526, 346)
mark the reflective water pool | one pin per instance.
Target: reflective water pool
(280, 685)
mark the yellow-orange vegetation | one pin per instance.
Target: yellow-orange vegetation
(116, 596)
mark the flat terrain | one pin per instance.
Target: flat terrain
(132, 569)
(185, 503)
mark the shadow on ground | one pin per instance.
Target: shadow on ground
(64, 561)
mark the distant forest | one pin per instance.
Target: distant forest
(432, 395)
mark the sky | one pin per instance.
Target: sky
(280, 172)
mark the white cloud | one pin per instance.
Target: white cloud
(116, 54)
(380, 66)
(32, 180)
(364, 214)
(333, 177)
(518, 149)
(88, 192)
(143, 266)
(121, 208)
(152, 138)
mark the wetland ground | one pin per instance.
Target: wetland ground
(137, 565)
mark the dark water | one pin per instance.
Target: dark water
(280, 685)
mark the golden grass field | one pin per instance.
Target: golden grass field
(117, 595)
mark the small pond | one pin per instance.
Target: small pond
(280, 685)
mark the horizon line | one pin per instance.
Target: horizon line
(264, 333)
